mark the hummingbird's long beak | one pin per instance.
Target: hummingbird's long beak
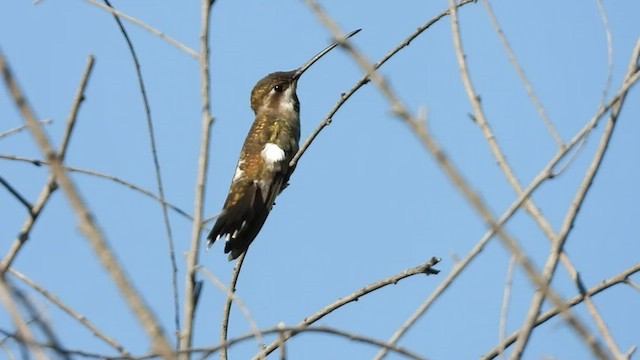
(304, 67)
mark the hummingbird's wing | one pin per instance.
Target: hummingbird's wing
(262, 169)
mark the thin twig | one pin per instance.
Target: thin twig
(401, 111)
(201, 180)
(22, 127)
(50, 186)
(86, 222)
(609, 37)
(226, 310)
(64, 307)
(542, 176)
(100, 175)
(241, 305)
(158, 173)
(426, 268)
(23, 331)
(506, 297)
(365, 79)
(571, 215)
(147, 27)
(41, 324)
(602, 286)
(21, 199)
(282, 345)
(600, 323)
(527, 84)
(632, 284)
(277, 330)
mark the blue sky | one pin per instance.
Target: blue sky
(366, 201)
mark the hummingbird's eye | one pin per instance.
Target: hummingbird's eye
(277, 88)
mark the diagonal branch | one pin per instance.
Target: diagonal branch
(80, 318)
(149, 28)
(22, 127)
(434, 148)
(23, 331)
(365, 80)
(527, 84)
(621, 278)
(426, 268)
(86, 222)
(570, 218)
(104, 176)
(226, 313)
(50, 185)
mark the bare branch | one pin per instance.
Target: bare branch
(571, 215)
(50, 185)
(13, 191)
(100, 175)
(623, 277)
(226, 312)
(609, 37)
(365, 79)
(64, 307)
(156, 166)
(426, 268)
(400, 110)
(149, 28)
(203, 164)
(542, 176)
(22, 127)
(86, 222)
(602, 326)
(527, 85)
(24, 333)
(505, 301)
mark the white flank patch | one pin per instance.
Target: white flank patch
(238, 174)
(272, 153)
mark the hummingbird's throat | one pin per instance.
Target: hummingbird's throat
(287, 103)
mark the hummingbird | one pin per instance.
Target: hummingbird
(263, 169)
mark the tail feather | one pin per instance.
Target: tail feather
(240, 222)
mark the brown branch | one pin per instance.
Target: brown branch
(365, 79)
(64, 307)
(609, 37)
(542, 318)
(277, 330)
(542, 176)
(426, 268)
(86, 222)
(505, 301)
(100, 175)
(50, 185)
(200, 191)
(527, 84)
(230, 293)
(226, 312)
(158, 173)
(148, 28)
(401, 111)
(13, 191)
(23, 331)
(570, 218)
(17, 129)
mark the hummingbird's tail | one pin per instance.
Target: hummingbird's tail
(240, 222)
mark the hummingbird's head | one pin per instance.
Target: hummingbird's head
(276, 93)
